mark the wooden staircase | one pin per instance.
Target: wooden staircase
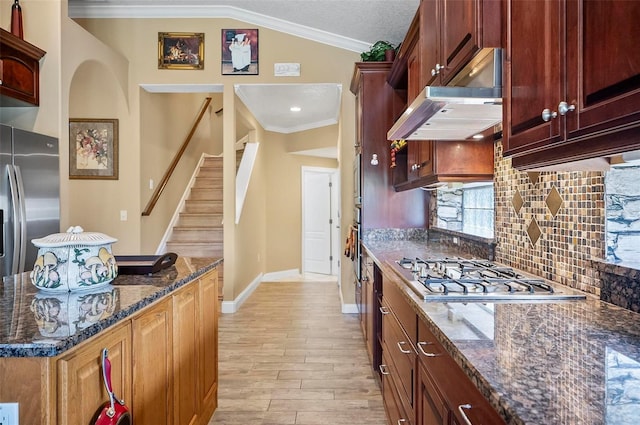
(198, 232)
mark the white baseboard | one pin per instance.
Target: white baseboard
(233, 306)
(350, 308)
(278, 276)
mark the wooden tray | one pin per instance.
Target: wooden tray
(144, 264)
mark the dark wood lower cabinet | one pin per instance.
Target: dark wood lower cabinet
(444, 390)
(421, 383)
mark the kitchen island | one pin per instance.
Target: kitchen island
(559, 362)
(160, 331)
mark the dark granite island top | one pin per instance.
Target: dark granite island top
(571, 362)
(35, 323)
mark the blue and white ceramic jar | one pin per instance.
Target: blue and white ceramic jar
(74, 260)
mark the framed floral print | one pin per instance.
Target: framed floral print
(93, 148)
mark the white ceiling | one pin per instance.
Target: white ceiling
(349, 24)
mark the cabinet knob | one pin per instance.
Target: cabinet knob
(435, 71)
(548, 115)
(564, 107)
(415, 167)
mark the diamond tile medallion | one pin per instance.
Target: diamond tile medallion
(534, 231)
(554, 201)
(533, 176)
(517, 201)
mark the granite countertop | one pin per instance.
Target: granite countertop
(566, 362)
(35, 323)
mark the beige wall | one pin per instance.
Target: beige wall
(166, 120)
(255, 245)
(105, 61)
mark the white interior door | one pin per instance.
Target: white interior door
(317, 220)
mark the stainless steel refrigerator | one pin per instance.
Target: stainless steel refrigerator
(29, 195)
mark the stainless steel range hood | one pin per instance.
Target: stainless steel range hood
(471, 104)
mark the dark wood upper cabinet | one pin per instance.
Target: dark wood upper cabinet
(572, 80)
(376, 105)
(430, 163)
(454, 31)
(19, 71)
(447, 34)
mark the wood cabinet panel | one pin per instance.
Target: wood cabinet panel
(431, 409)
(405, 315)
(393, 406)
(603, 65)
(81, 392)
(208, 310)
(185, 356)
(402, 356)
(382, 206)
(450, 385)
(19, 71)
(584, 74)
(30, 378)
(152, 365)
(533, 77)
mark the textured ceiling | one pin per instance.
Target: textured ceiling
(349, 24)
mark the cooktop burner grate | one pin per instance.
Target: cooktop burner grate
(451, 277)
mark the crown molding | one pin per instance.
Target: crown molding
(101, 11)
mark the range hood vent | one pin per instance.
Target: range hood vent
(470, 105)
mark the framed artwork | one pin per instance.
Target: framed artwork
(93, 148)
(180, 50)
(240, 52)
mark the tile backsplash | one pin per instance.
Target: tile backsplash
(551, 224)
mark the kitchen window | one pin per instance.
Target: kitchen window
(622, 195)
(467, 208)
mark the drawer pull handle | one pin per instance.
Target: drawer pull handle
(384, 310)
(400, 344)
(383, 369)
(461, 409)
(401, 421)
(422, 344)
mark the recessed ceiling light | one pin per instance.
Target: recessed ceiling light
(295, 109)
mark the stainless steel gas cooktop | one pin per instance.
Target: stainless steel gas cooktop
(459, 279)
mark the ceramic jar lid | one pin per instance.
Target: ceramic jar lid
(75, 235)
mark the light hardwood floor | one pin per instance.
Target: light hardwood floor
(289, 356)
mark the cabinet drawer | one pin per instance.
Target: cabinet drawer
(395, 300)
(401, 355)
(395, 411)
(430, 405)
(453, 385)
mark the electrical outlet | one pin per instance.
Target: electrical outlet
(455, 240)
(9, 414)
(123, 215)
(150, 184)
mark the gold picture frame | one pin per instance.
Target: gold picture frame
(93, 148)
(180, 50)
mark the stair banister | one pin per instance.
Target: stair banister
(174, 163)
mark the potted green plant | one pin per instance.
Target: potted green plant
(377, 52)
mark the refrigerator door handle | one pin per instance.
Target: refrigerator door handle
(23, 219)
(17, 219)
